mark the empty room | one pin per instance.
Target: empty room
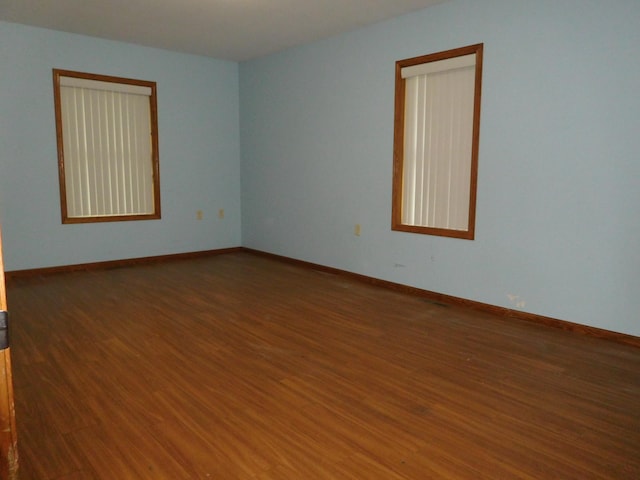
(346, 239)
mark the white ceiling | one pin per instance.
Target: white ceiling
(226, 29)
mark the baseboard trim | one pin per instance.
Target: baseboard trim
(433, 296)
(457, 301)
(109, 264)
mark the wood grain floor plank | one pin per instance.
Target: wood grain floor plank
(242, 367)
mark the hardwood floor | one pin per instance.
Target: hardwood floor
(241, 367)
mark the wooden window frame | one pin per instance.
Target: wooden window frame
(399, 134)
(155, 168)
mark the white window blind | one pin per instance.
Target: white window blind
(106, 132)
(438, 137)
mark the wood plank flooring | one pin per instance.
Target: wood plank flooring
(242, 367)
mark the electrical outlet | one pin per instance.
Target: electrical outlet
(357, 230)
(516, 300)
(221, 213)
(199, 215)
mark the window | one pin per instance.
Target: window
(436, 136)
(107, 136)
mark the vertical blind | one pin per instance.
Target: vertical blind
(107, 148)
(438, 134)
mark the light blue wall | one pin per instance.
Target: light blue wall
(198, 108)
(558, 216)
(558, 221)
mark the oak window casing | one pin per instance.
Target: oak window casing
(436, 140)
(107, 136)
